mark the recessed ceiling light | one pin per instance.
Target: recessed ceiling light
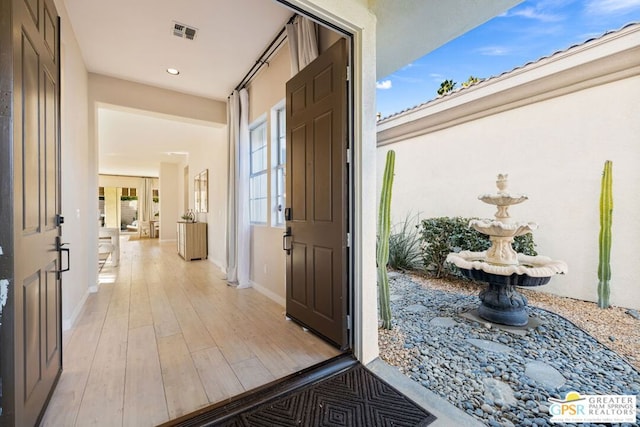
(173, 71)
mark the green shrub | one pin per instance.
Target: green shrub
(404, 245)
(441, 236)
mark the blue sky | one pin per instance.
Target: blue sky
(525, 33)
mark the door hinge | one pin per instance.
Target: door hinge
(348, 155)
(348, 73)
(348, 240)
(349, 322)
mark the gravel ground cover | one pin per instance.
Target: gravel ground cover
(436, 347)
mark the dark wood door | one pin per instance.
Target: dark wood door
(31, 354)
(316, 201)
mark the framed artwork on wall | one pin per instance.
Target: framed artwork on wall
(201, 191)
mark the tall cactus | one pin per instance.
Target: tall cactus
(606, 209)
(384, 230)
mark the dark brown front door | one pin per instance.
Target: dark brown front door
(30, 347)
(316, 203)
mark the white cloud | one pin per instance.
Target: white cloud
(536, 14)
(494, 50)
(384, 84)
(607, 7)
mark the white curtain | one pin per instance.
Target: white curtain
(233, 133)
(238, 233)
(302, 35)
(145, 205)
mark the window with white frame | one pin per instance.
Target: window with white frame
(258, 170)
(279, 156)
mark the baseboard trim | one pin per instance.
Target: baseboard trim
(218, 264)
(94, 289)
(268, 293)
(68, 323)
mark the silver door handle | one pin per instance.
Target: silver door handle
(286, 241)
(59, 248)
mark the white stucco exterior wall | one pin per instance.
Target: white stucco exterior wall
(554, 151)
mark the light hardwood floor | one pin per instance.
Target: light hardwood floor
(164, 337)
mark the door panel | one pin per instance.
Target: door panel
(31, 313)
(34, 8)
(30, 137)
(296, 172)
(298, 269)
(50, 154)
(323, 272)
(31, 353)
(322, 168)
(52, 316)
(317, 295)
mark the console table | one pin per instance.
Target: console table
(192, 240)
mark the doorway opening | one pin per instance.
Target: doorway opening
(167, 286)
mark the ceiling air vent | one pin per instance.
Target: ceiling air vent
(184, 31)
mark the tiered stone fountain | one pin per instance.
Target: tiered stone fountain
(500, 266)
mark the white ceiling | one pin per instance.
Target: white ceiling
(133, 40)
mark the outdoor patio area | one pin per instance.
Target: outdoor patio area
(505, 376)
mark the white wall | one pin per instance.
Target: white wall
(79, 200)
(110, 90)
(267, 91)
(356, 18)
(124, 181)
(554, 151)
(211, 152)
(212, 155)
(169, 188)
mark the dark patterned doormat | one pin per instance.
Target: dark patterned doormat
(355, 398)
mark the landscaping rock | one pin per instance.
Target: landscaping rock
(490, 345)
(633, 313)
(493, 375)
(444, 322)
(416, 308)
(546, 375)
(498, 391)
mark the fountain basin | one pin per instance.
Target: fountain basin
(533, 266)
(500, 301)
(513, 280)
(501, 229)
(502, 199)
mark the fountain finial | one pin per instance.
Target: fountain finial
(502, 183)
(502, 199)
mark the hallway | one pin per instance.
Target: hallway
(164, 337)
